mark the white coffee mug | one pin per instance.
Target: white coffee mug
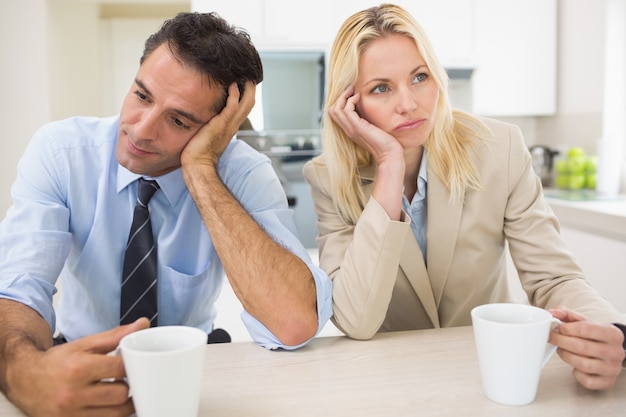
(512, 346)
(164, 370)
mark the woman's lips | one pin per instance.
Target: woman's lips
(412, 124)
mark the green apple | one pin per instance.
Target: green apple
(562, 181)
(576, 165)
(591, 181)
(592, 165)
(560, 166)
(577, 181)
(576, 151)
(570, 181)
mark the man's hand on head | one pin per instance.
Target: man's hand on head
(209, 142)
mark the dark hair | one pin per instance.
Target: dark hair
(209, 44)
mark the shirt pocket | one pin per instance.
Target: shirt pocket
(189, 299)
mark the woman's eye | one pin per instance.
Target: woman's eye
(382, 88)
(421, 77)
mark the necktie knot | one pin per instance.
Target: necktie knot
(146, 190)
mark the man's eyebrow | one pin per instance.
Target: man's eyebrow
(189, 116)
(183, 113)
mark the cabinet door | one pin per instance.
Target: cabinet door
(246, 14)
(449, 24)
(292, 24)
(284, 23)
(603, 263)
(312, 23)
(516, 57)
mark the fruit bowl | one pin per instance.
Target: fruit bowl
(576, 171)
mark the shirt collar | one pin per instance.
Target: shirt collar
(422, 175)
(172, 184)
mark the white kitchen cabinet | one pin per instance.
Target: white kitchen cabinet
(247, 14)
(511, 43)
(516, 57)
(276, 24)
(449, 24)
(595, 233)
(289, 24)
(303, 24)
(603, 262)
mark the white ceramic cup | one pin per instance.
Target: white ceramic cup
(512, 346)
(164, 370)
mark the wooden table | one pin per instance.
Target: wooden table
(425, 372)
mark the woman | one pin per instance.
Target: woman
(415, 202)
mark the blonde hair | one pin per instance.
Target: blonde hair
(448, 145)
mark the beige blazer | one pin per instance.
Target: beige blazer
(380, 279)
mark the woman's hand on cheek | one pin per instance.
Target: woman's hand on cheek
(375, 140)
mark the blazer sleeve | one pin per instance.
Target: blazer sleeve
(362, 259)
(547, 270)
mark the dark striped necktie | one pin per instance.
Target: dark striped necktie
(139, 277)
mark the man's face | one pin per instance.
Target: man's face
(164, 108)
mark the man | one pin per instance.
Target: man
(217, 206)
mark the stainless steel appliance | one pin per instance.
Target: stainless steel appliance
(289, 150)
(543, 163)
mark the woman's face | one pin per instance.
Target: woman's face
(398, 94)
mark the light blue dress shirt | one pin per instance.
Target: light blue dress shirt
(71, 214)
(416, 209)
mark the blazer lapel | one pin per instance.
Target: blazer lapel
(414, 268)
(444, 217)
(411, 259)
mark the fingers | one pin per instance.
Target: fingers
(209, 142)
(88, 380)
(249, 97)
(97, 403)
(594, 350)
(343, 112)
(566, 315)
(593, 381)
(590, 340)
(107, 341)
(99, 365)
(237, 106)
(106, 394)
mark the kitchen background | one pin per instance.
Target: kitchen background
(546, 65)
(538, 63)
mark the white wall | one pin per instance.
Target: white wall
(51, 71)
(580, 76)
(74, 50)
(24, 83)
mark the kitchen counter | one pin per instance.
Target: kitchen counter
(600, 216)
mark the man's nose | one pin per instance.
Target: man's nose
(145, 126)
